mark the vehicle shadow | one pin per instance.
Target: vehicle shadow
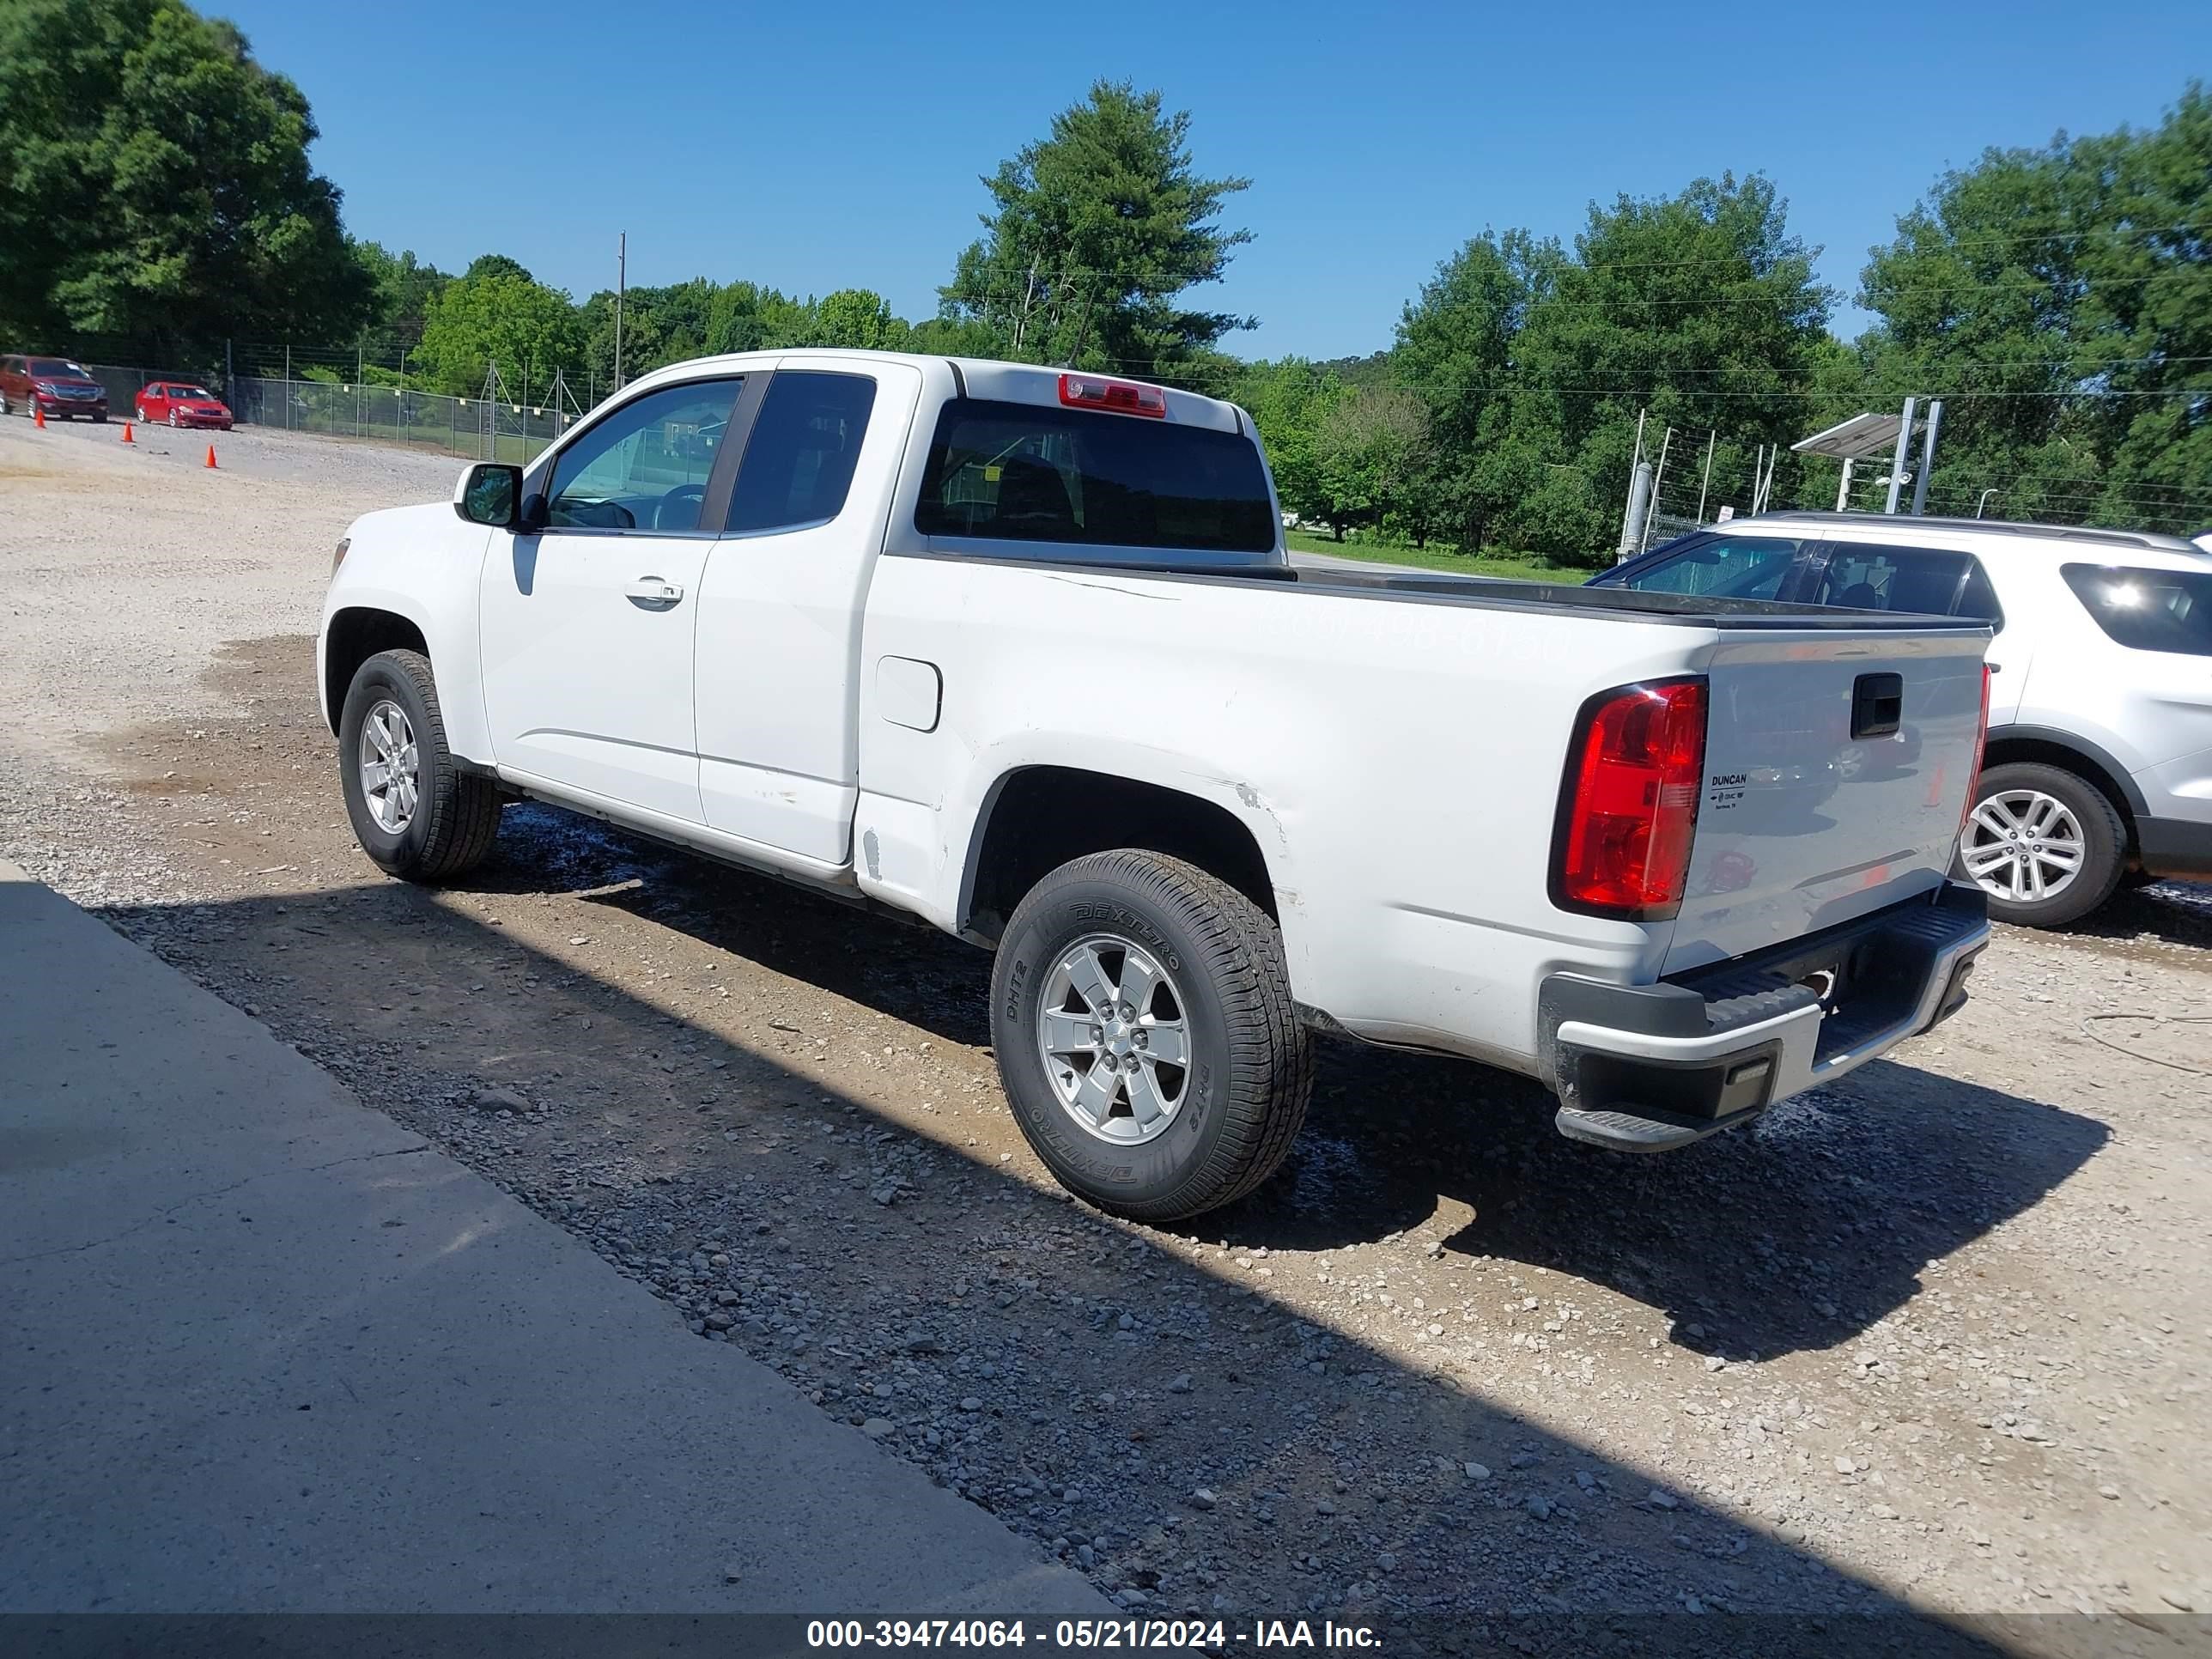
(2171, 912)
(1797, 1234)
(1118, 1395)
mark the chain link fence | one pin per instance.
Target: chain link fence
(467, 428)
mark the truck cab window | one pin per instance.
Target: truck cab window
(645, 466)
(805, 444)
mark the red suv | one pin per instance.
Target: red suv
(183, 403)
(61, 388)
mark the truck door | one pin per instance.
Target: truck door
(587, 625)
(782, 599)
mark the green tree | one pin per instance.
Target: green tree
(403, 287)
(1288, 401)
(1456, 350)
(155, 186)
(496, 316)
(857, 317)
(1095, 235)
(2060, 301)
(1370, 452)
(1534, 363)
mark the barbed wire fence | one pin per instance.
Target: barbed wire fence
(1700, 477)
(340, 394)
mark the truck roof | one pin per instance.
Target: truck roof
(974, 377)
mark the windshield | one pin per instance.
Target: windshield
(1725, 567)
(199, 391)
(53, 368)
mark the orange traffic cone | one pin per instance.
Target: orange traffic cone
(127, 438)
(37, 417)
(210, 459)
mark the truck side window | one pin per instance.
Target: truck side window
(805, 444)
(645, 466)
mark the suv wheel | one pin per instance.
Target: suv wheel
(1141, 1016)
(2042, 842)
(416, 813)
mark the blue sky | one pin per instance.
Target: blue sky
(820, 147)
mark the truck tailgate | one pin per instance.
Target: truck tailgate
(1823, 797)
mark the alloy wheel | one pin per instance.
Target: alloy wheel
(2023, 846)
(390, 770)
(1114, 1034)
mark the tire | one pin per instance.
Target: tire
(451, 817)
(101, 419)
(1248, 1061)
(173, 421)
(2068, 809)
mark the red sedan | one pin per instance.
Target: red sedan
(180, 403)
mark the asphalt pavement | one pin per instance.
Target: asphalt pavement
(268, 1351)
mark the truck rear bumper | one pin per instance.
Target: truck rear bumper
(1651, 1067)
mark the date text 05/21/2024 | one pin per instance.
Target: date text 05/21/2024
(1201, 1635)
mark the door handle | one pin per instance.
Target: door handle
(651, 590)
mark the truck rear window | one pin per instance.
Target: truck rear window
(1025, 473)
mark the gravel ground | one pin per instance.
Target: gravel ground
(1938, 1339)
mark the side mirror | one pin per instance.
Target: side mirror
(490, 493)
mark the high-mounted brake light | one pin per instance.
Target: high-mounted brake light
(1121, 396)
(1630, 811)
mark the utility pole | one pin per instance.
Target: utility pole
(1926, 456)
(1637, 476)
(1639, 508)
(1712, 435)
(622, 284)
(1904, 449)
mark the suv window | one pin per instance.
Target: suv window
(1727, 567)
(1932, 582)
(2147, 610)
(1027, 472)
(645, 466)
(804, 446)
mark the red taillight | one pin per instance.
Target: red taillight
(1123, 397)
(1981, 749)
(1631, 805)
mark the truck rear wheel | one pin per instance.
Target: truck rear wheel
(416, 813)
(1141, 1014)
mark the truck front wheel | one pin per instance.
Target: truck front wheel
(414, 811)
(1141, 1016)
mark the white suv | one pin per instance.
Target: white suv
(2099, 763)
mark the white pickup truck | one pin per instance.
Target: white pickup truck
(1020, 653)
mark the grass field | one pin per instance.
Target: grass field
(1519, 569)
